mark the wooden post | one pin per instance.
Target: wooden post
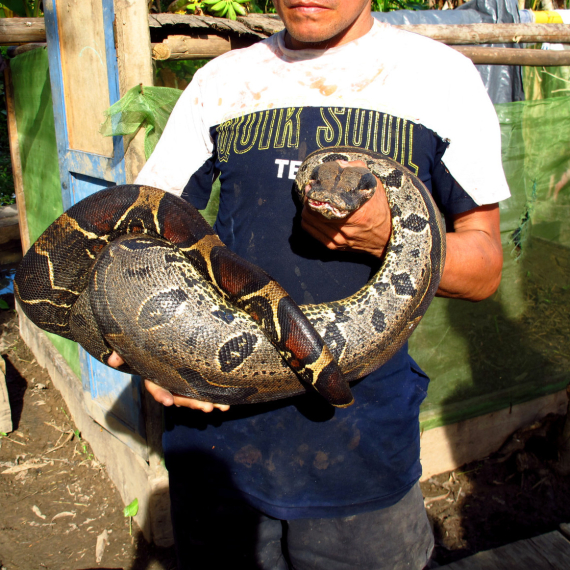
(16, 162)
(135, 66)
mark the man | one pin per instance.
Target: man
(296, 484)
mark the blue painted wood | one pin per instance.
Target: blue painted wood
(113, 392)
(117, 395)
(96, 166)
(83, 186)
(113, 78)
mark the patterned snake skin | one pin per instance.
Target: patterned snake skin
(137, 270)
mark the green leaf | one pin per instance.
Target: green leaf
(3, 304)
(17, 6)
(132, 509)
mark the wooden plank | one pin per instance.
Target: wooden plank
(22, 30)
(263, 23)
(514, 56)
(16, 161)
(134, 56)
(5, 411)
(448, 447)
(94, 165)
(555, 548)
(84, 69)
(57, 92)
(546, 552)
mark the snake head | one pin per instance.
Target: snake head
(335, 192)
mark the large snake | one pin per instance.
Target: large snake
(138, 270)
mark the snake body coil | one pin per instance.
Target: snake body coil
(137, 270)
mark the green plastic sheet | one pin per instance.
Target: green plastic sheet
(141, 107)
(514, 346)
(39, 158)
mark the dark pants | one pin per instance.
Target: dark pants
(213, 534)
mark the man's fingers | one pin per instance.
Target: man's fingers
(345, 163)
(161, 395)
(165, 398)
(115, 360)
(328, 236)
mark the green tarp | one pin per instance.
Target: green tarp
(38, 152)
(514, 346)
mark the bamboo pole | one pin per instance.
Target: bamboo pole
(22, 30)
(514, 56)
(25, 30)
(264, 25)
(186, 47)
(16, 161)
(473, 34)
(196, 46)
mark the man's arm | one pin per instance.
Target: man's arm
(474, 259)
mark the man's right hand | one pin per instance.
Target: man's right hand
(165, 398)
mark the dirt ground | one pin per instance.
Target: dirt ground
(59, 509)
(57, 503)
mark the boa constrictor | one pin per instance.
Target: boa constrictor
(138, 270)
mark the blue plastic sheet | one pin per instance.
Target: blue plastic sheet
(503, 82)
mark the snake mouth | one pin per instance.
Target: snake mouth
(327, 209)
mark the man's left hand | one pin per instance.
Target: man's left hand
(165, 398)
(367, 229)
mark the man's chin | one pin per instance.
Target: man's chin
(316, 35)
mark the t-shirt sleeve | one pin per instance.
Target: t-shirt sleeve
(472, 129)
(451, 198)
(185, 148)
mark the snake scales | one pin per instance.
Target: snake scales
(137, 270)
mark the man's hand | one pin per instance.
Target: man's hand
(368, 229)
(165, 398)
